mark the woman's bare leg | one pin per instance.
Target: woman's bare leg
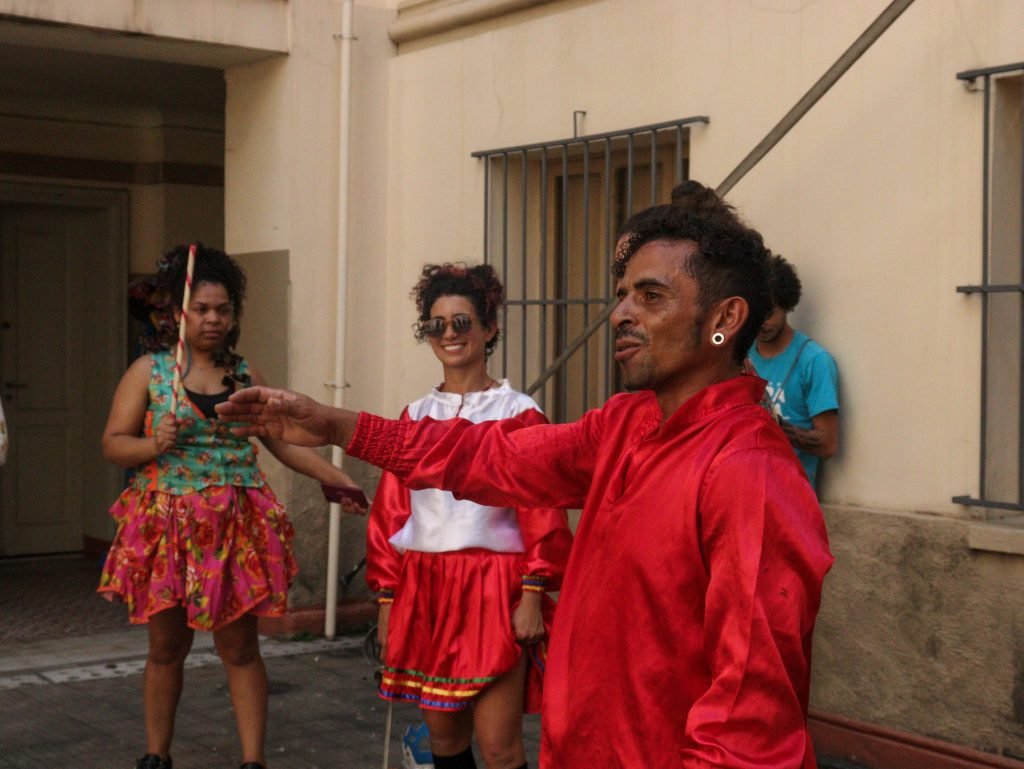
(238, 645)
(498, 719)
(450, 733)
(170, 639)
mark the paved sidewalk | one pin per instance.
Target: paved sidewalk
(77, 702)
(71, 681)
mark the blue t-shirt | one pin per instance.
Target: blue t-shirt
(812, 387)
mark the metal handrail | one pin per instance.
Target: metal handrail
(576, 344)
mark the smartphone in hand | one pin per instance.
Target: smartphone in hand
(341, 493)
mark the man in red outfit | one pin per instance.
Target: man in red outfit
(683, 632)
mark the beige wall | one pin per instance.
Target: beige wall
(876, 198)
(282, 134)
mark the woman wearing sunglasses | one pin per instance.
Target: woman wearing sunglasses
(462, 587)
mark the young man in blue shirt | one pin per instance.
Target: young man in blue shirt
(803, 382)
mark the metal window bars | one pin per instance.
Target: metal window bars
(1001, 290)
(551, 214)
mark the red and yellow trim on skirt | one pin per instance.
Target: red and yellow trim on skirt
(429, 692)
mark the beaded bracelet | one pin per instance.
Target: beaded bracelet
(534, 584)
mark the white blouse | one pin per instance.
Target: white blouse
(439, 522)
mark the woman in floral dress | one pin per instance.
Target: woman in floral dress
(202, 542)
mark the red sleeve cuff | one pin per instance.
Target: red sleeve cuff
(377, 440)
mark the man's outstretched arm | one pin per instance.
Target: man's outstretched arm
(504, 463)
(266, 412)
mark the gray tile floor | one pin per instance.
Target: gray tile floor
(70, 688)
(53, 598)
(323, 712)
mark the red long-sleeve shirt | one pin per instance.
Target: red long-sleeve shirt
(683, 633)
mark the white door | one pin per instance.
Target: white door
(51, 332)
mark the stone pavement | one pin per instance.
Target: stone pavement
(71, 687)
(71, 681)
(77, 702)
(53, 598)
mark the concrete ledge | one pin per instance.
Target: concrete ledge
(234, 31)
(351, 614)
(879, 748)
(422, 18)
(1005, 535)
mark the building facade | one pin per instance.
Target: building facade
(523, 132)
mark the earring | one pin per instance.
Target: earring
(718, 339)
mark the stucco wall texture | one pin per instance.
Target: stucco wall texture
(919, 632)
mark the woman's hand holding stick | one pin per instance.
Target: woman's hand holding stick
(179, 354)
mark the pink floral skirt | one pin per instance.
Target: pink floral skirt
(220, 553)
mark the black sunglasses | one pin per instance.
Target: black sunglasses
(435, 327)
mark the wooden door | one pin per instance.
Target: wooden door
(53, 344)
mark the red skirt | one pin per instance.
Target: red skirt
(450, 634)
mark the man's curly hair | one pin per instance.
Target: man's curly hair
(783, 283)
(698, 198)
(479, 284)
(730, 260)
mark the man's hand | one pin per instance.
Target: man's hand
(821, 440)
(287, 416)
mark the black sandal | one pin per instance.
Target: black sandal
(153, 761)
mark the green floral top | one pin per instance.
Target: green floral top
(206, 454)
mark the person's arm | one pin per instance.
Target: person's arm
(283, 415)
(546, 543)
(546, 539)
(123, 442)
(528, 618)
(389, 512)
(499, 463)
(302, 459)
(502, 463)
(821, 391)
(766, 553)
(308, 462)
(821, 440)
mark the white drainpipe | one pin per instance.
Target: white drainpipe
(344, 131)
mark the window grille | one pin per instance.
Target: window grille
(1001, 291)
(551, 213)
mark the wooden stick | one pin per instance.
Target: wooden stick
(387, 736)
(180, 352)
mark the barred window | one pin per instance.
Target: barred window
(1001, 291)
(551, 214)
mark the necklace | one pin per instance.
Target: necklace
(488, 385)
(189, 366)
